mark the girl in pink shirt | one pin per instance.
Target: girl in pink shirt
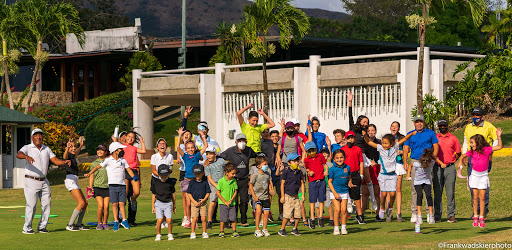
(130, 155)
(479, 179)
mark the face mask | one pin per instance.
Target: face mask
(443, 130)
(312, 154)
(121, 154)
(241, 145)
(294, 166)
(476, 120)
(350, 144)
(290, 132)
(264, 168)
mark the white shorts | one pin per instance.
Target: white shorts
(366, 161)
(71, 182)
(479, 180)
(400, 170)
(387, 183)
(342, 196)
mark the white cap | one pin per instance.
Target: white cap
(115, 146)
(211, 149)
(37, 130)
(295, 121)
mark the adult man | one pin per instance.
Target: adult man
(425, 138)
(444, 172)
(36, 184)
(240, 155)
(488, 131)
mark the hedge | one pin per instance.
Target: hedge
(56, 135)
(100, 129)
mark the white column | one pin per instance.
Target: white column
(142, 112)
(427, 69)
(220, 131)
(437, 79)
(314, 66)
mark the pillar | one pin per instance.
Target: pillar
(426, 70)
(62, 76)
(314, 67)
(86, 82)
(219, 95)
(142, 112)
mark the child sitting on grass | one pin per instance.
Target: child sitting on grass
(260, 186)
(164, 200)
(227, 189)
(198, 193)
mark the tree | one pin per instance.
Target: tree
(389, 10)
(260, 17)
(499, 31)
(231, 41)
(140, 60)
(477, 7)
(9, 59)
(43, 22)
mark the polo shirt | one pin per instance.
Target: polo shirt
(340, 177)
(100, 176)
(335, 147)
(115, 170)
(303, 136)
(215, 169)
(387, 158)
(318, 139)
(190, 161)
(448, 146)
(239, 159)
(158, 160)
(163, 190)
(315, 164)
(486, 129)
(227, 190)
(353, 157)
(292, 181)
(39, 168)
(253, 135)
(480, 162)
(198, 189)
(419, 142)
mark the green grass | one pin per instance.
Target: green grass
(167, 129)
(373, 234)
(504, 123)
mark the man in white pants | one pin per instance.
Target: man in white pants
(38, 157)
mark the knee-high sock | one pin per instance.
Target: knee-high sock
(372, 195)
(80, 217)
(73, 217)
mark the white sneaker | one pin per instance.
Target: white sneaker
(336, 232)
(414, 217)
(266, 233)
(205, 235)
(192, 235)
(430, 219)
(344, 231)
(158, 237)
(374, 205)
(420, 219)
(258, 233)
(183, 221)
(169, 237)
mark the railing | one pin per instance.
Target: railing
(280, 103)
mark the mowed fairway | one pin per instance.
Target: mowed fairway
(376, 234)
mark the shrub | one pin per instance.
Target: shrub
(56, 135)
(140, 60)
(433, 111)
(101, 128)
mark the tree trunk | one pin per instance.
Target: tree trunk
(265, 82)
(2, 90)
(7, 84)
(34, 76)
(422, 29)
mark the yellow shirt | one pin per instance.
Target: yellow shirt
(253, 135)
(486, 129)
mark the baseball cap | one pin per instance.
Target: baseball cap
(211, 150)
(295, 121)
(419, 117)
(442, 122)
(198, 169)
(115, 146)
(349, 133)
(164, 170)
(203, 123)
(478, 111)
(101, 147)
(324, 149)
(122, 133)
(289, 124)
(240, 136)
(37, 130)
(292, 156)
(161, 139)
(309, 145)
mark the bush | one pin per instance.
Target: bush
(433, 111)
(140, 60)
(100, 129)
(56, 135)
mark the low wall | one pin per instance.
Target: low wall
(44, 98)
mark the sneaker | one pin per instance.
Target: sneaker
(377, 218)
(311, 223)
(344, 231)
(183, 221)
(187, 224)
(452, 219)
(331, 223)
(360, 220)
(133, 224)
(270, 218)
(205, 235)
(482, 222)
(364, 220)
(116, 226)
(399, 218)
(320, 222)
(29, 231)
(125, 224)
(169, 237)
(350, 208)
(106, 227)
(419, 219)
(158, 237)
(280, 217)
(72, 228)
(209, 225)
(134, 204)
(336, 232)
(432, 220)
(235, 235)
(389, 217)
(282, 232)
(381, 214)
(99, 226)
(266, 233)
(43, 231)
(221, 235)
(414, 217)
(258, 233)
(305, 222)
(192, 236)
(84, 227)
(296, 232)
(437, 219)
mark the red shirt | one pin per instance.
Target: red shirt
(130, 155)
(353, 157)
(316, 165)
(448, 146)
(304, 137)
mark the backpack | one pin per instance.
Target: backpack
(298, 145)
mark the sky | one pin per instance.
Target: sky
(332, 5)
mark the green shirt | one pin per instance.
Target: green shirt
(100, 176)
(253, 135)
(227, 189)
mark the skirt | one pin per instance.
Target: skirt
(400, 170)
(479, 180)
(387, 183)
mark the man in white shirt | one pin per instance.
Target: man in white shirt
(37, 185)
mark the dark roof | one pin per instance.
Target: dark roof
(8, 115)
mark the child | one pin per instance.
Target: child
(190, 158)
(292, 180)
(71, 183)
(198, 192)
(422, 182)
(354, 158)
(290, 143)
(387, 178)
(400, 170)
(340, 181)
(116, 166)
(480, 154)
(269, 148)
(227, 189)
(160, 158)
(316, 170)
(318, 137)
(339, 138)
(164, 200)
(214, 172)
(327, 155)
(259, 187)
(98, 187)
(276, 170)
(251, 129)
(187, 136)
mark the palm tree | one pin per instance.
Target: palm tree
(477, 11)
(231, 41)
(262, 15)
(44, 22)
(496, 27)
(7, 33)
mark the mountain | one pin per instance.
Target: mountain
(162, 18)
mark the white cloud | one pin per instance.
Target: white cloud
(332, 5)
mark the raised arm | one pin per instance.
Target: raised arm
(142, 150)
(401, 142)
(178, 148)
(270, 123)
(66, 152)
(188, 110)
(282, 123)
(81, 145)
(499, 131)
(241, 111)
(368, 141)
(350, 97)
(205, 142)
(310, 131)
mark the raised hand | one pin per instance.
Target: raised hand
(260, 111)
(328, 141)
(180, 131)
(188, 110)
(141, 139)
(251, 105)
(350, 96)
(499, 131)
(81, 140)
(282, 122)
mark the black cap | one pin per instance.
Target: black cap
(101, 147)
(442, 122)
(478, 111)
(198, 169)
(164, 170)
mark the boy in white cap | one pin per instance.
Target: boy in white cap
(116, 166)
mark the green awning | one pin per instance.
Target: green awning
(8, 115)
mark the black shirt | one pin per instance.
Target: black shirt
(239, 159)
(163, 190)
(372, 152)
(267, 147)
(197, 189)
(73, 167)
(292, 181)
(359, 139)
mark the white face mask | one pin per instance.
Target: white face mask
(241, 145)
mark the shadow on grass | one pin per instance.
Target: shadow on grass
(429, 230)
(499, 219)
(493, 230)
(146, 237)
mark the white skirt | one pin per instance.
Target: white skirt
(366, 162)
(400, 170)
(479, 180)
(342, 196)
(387, 183)
(71, 182)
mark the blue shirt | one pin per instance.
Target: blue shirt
(197, 189)
(335, 147)
(292, 181)
(190, 161)
(340, 178)
(318, 139)
(419, 142)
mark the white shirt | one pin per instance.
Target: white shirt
(211, 143)
(387, 158)
(158, 160)
(39, 168)
(115, 170)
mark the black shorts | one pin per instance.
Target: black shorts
(265, 204)
(135, 173)
(100, 192)
(355, 192)
(182, 175)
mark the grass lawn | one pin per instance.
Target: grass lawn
(373, 234)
